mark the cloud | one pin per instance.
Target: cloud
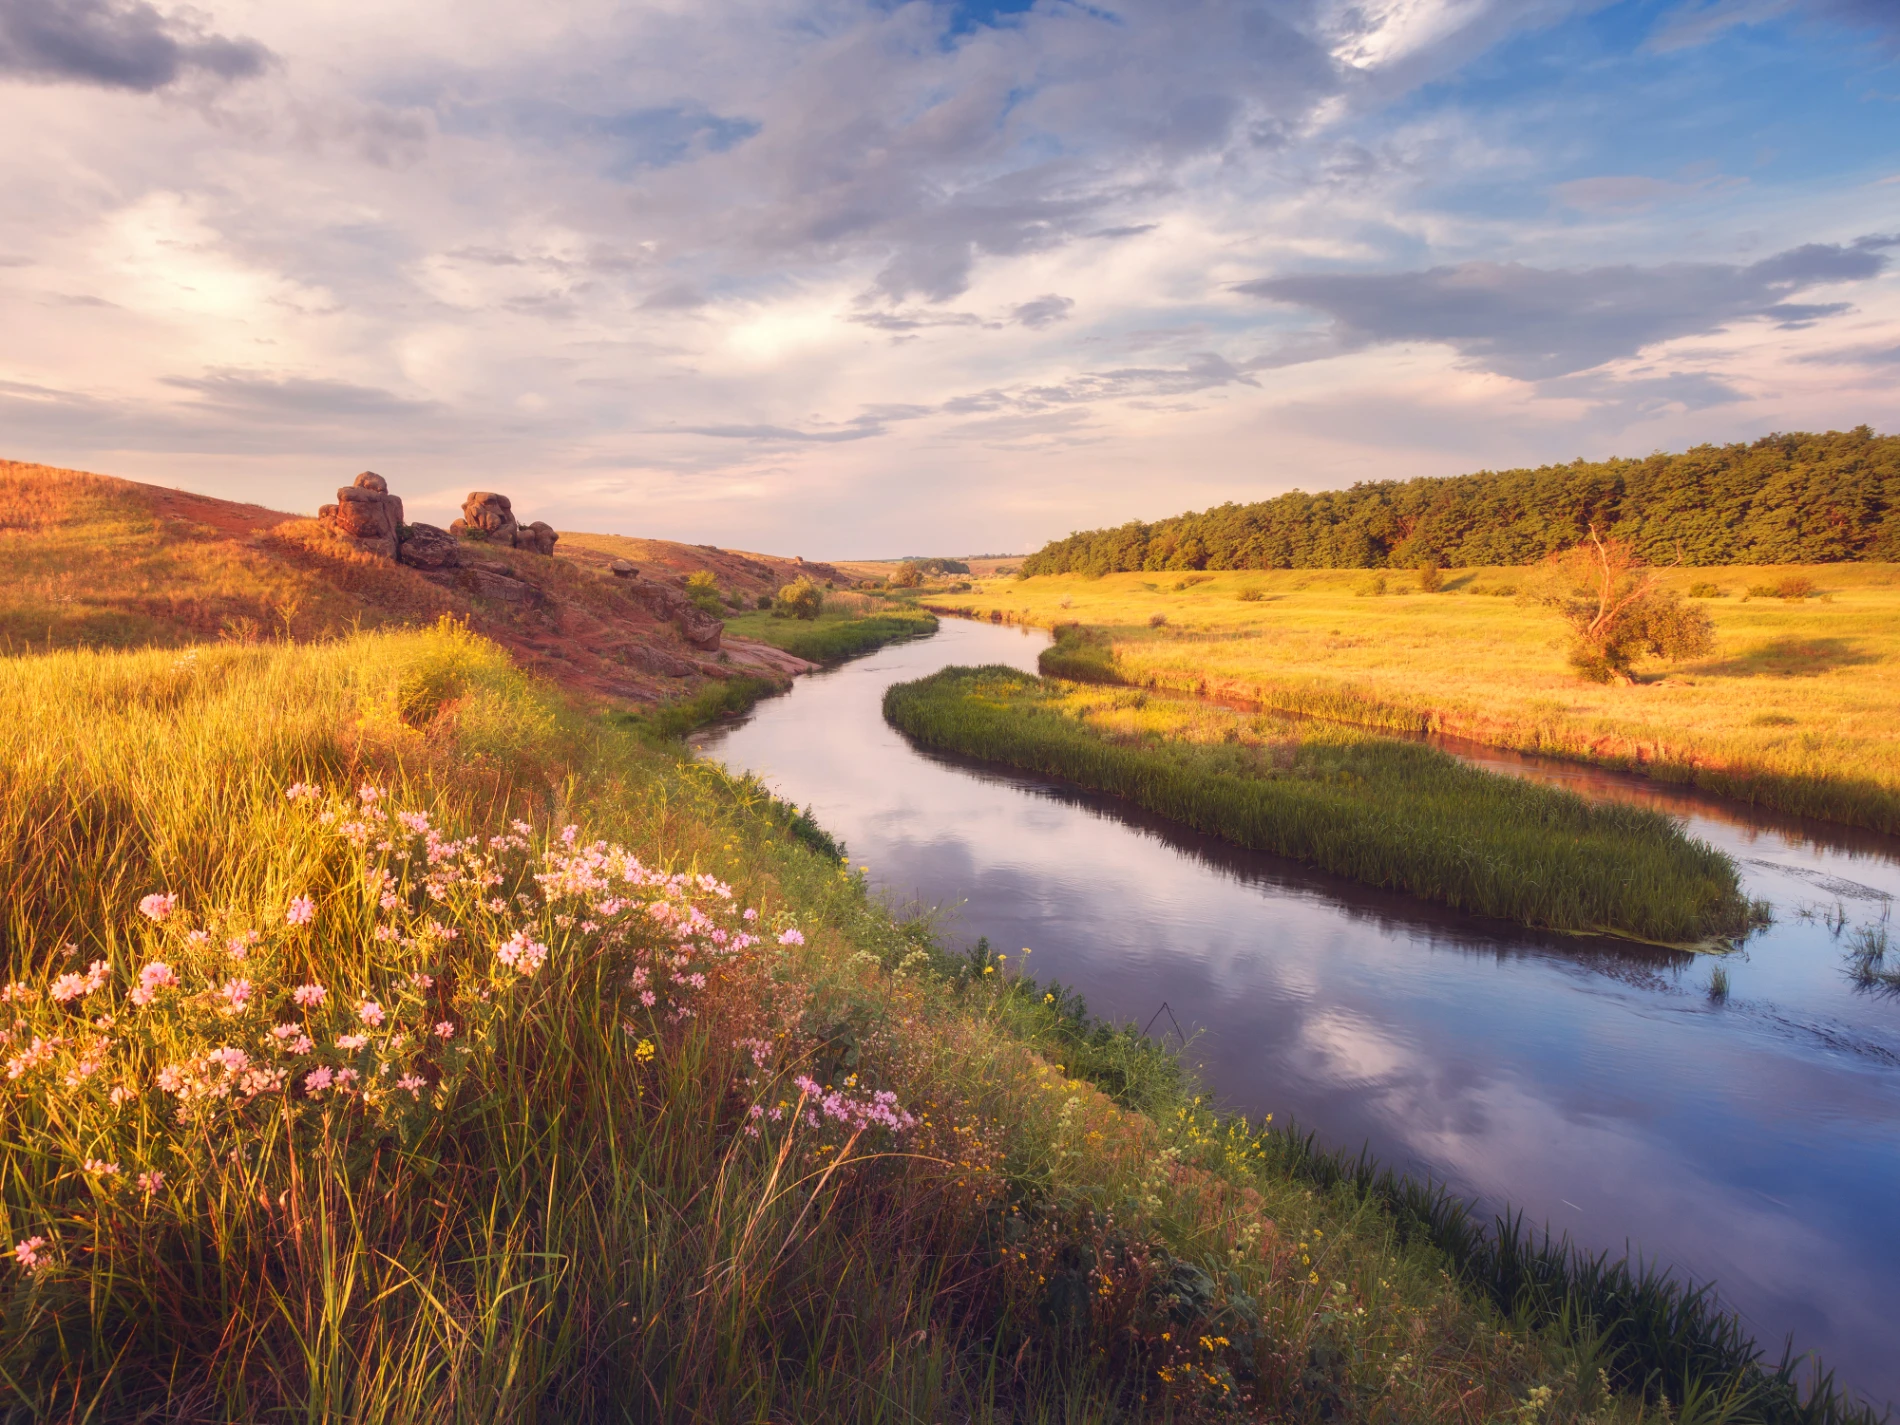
(1535, 323)
(1699, 21)
(298, 398)
(1044, 311)
(117, 44)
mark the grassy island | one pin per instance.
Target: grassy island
(1394, 814)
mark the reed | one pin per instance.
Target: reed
(1397, 815)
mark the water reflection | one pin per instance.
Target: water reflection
(1591, 1083)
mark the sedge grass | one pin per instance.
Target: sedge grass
(566, 1218)
(1398, 815)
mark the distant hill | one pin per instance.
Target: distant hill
(1785, 499)
(94, 561)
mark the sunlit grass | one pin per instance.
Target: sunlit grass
(1793, 710)
(849, 625)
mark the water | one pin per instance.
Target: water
(1592, 1084)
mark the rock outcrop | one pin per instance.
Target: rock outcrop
(490, 518)
(367, 515)
(428, 546)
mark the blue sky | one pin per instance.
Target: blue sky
(845, 277)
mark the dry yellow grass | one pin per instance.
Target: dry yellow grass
(1795, 709)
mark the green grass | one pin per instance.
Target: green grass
(836, 634)
(1393, 814)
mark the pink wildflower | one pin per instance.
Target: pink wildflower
(444, 1029)
(150, 1183)
(302, 911)
(414, 1083)
(308, 996)
(317, 1080)
(198, 937)
(15, 992)
(70, 987)
(240, 944)
(351, 1042)
(751, 914)
(172, 1079)
(236, 994)
(100, 1168)
(371, 1013)
(30, 1255)
(157, 907)
(791, 937)
(300, 791)
(153, 978)
(522, 953)
(344, 1079)
(38, 1053)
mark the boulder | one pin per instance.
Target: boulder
(428, 546)
(487, 516)
(539, 537)
(622, 569)
(366, 515)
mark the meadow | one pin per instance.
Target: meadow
(1793, 710)
(1398, 815)
(389, 1040)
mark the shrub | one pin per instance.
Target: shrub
(908, 576)
(801, 599)
(703, 589)
(1616, 611)
(1703, 589)
(1370, 587)
(1430, 578)
(1157, 620)
(1250, 596)
(765, 601)
(1793, 586)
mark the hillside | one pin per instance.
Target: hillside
(1785, 499)
(95, 561)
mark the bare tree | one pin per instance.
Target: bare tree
(1616, 610)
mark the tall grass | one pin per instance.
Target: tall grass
(565, 1207)
(1391, 814)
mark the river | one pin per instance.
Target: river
(1595, 1085)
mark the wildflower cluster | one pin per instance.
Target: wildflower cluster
(370, 999)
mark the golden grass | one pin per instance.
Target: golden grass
(1795, 709)
(92, 561)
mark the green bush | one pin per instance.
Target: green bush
(801, 599)
(703, 589)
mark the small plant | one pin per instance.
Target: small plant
(1867, 958)
(1250, 596)
(765, 601)
(1157, 620)
(1703, 589)
(1718, 985)
(703, 589)
(1370, 587)
(801, 599)
(1430, 578)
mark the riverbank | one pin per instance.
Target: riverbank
(1790, 712)
(1391, 814)
(428, 1048)
(850, 625)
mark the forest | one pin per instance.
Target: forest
(1793, 498)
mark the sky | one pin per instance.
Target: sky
(864, 278)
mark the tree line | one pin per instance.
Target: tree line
(1794, 498)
